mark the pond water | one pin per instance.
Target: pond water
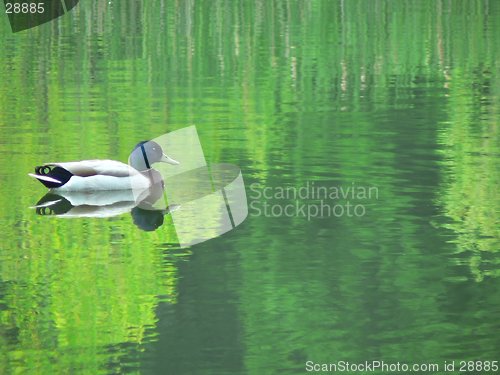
(389, 107)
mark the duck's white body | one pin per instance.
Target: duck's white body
(92, 175)
(92, 183)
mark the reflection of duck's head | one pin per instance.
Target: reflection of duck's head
(146, 153)
(150, 220)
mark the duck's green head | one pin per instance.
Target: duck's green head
(146, 153)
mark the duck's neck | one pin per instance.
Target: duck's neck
(156, 180)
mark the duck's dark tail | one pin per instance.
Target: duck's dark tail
(52, 177)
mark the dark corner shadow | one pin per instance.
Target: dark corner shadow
(26, 15)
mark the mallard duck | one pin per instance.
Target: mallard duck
(91, 175)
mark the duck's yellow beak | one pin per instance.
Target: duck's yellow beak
(169, 160)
